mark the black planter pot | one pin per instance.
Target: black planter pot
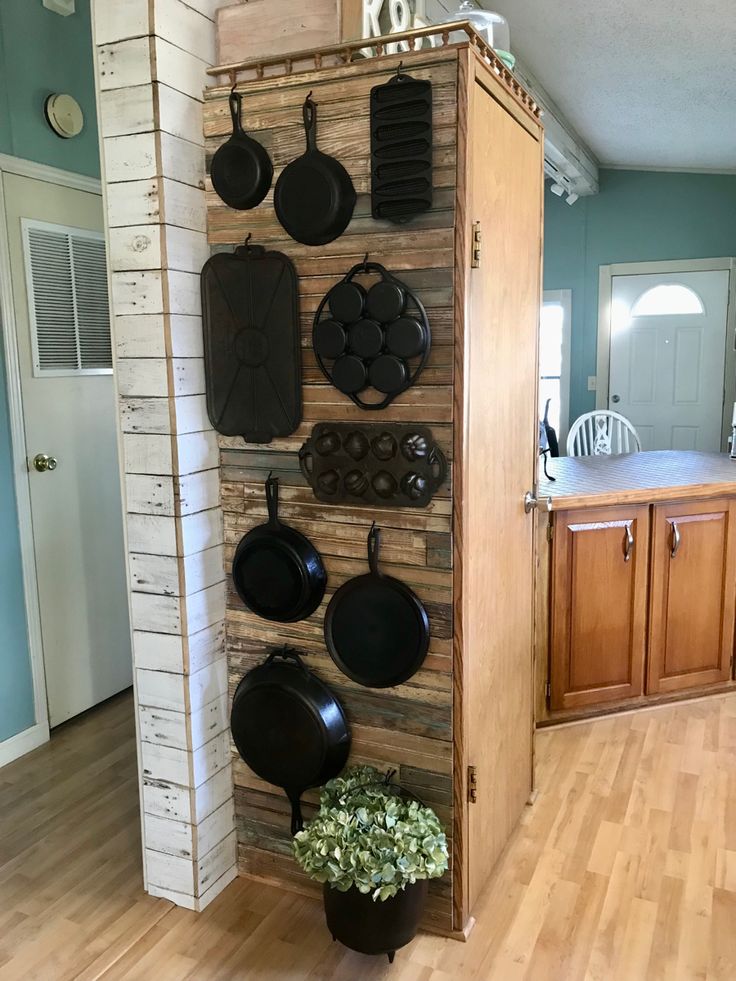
(375, 927)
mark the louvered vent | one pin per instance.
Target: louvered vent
(67, 299)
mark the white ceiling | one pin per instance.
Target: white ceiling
(646, 83)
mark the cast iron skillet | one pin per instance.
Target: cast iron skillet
(376, 629)
(314, 197)
(289, 727)
(241, 169)
(277, 572)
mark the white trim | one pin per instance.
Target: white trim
(605, 288)
(648, 169)
(26, 168)
(16, 746)
(52, 175)
(564, 298)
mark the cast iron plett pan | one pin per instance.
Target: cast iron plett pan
(252, 353)
(241, 169)
(289, 727)
(277, 572)
(314, 197)
(376, 629)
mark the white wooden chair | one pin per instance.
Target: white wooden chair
(602, 433)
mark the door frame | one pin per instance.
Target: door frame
(564, 298)
(605, 290)
(38, 733)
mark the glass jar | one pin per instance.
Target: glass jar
(492, 27)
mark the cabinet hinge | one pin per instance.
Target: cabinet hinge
(550, 532)
(476, 245)
(548, 690)
(472, 785)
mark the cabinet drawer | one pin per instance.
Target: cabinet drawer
(599, 605)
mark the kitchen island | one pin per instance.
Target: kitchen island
(636, 585)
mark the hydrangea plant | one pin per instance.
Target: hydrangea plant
(365, 835)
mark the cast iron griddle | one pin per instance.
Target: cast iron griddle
(251, 344)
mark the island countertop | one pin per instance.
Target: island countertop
(637, 478)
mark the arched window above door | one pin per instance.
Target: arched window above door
(667, 299)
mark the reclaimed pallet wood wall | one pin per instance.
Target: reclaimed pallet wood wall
(408, 727)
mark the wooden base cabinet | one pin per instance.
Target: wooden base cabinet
(693, 594)
(599, 597)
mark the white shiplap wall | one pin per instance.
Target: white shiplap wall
(151, 57)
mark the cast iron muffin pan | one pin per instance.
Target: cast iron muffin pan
(391, 465)
(371, 343)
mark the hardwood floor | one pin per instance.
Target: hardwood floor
(624, 870)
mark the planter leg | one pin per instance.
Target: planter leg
(391, 954)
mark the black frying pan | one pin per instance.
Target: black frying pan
(314, 197)
(376, 629)
(277, 572)
(241, 169)
(289, 727)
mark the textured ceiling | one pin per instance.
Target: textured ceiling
(646, 83)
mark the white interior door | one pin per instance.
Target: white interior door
(668, 346)
(69, 414)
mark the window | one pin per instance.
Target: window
(667, 299)
(554, 359)
(66, 279)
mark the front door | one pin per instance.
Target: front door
(668, 346)
(500, 465)
(69, 416)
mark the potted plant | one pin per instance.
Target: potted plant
(374, 847)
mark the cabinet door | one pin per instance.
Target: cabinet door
(497, 538)
(693, 594)
(599, 602)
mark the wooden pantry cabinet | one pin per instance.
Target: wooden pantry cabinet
(642, 602)
(460, 731)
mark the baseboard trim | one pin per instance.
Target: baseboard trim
(22, 743)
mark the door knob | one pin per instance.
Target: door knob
(615, 398)
(43, 462)
(531, 501)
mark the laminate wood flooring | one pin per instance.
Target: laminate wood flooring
(623, 870)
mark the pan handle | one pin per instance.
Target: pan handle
(374, 542)
(309, 112)
(306, 462)
(297, 822)
(288, 654)
(235, 99)
(272, 499)
(438, 464)
(368, 267)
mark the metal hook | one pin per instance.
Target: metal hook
(398, 70)
(309, 96)
(248, 237)
(365, 261)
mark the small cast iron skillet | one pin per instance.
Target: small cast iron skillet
(241, 169)
(289, 727)
(314, 197)
(277, 572)
(376, 629)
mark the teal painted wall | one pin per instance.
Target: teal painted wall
(638, 216)
(40, 53)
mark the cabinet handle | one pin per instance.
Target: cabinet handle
(676, 539)
(628, 543)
